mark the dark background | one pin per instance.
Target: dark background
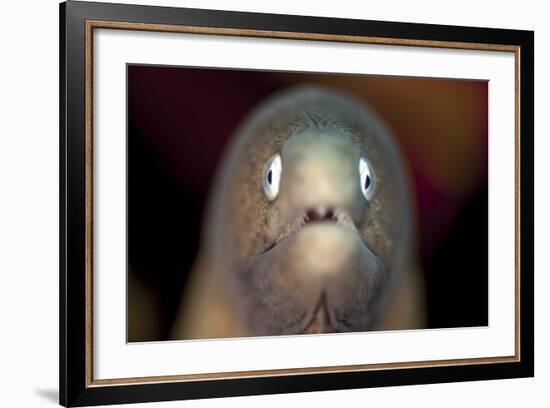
(180, 119)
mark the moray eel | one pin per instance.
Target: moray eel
(309, 227)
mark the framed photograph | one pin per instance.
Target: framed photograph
(256, 204)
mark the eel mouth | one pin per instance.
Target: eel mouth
(314, 274)
(316, 214)
(318, 276)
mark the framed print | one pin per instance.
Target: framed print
(255, 203)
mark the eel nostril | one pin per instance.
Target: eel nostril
(319, 214)
(312, 215)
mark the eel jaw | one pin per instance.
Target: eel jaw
(303, 293)
(320, 319)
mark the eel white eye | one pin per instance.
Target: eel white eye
(272, 177)
(365, 178)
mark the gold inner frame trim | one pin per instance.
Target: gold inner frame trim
(93, 24)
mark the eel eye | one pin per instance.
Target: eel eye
(272, 177)
(365, 179)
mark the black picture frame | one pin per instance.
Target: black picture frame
(75, 387)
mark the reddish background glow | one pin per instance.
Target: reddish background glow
(180, 119)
